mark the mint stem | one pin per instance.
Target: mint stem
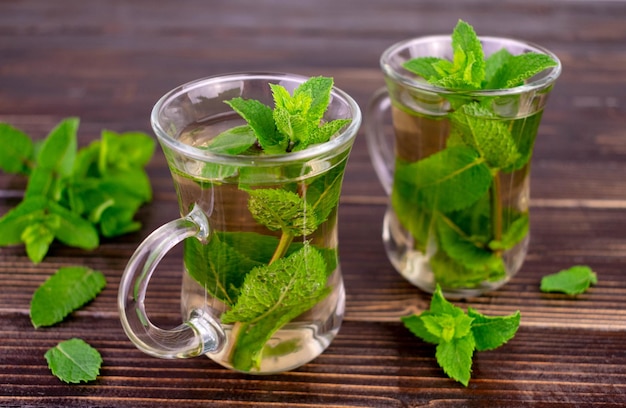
(283, 245)
(496, 208)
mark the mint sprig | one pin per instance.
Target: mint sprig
(457, 334)
(294, 123)
(74, 195)
(454, 197)
(266, 281)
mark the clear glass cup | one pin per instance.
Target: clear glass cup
(256, 297)
(443, 227)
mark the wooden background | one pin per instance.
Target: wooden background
(107, 62)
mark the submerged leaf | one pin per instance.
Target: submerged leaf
(282, 210)
(449, 180)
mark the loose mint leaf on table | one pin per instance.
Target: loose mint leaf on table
(572, 281)
(457, 334)
(455, 357)
(492, 332)
(74, 361)
(72, 193)
(65, 291)
(16, 154)
(58, 151)
(36, 219)
(129, 150)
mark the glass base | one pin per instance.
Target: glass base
(414, 265)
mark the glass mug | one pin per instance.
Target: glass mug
(256, 297)
(443, 225)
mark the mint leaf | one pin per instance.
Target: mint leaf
(58, 151)
(36, 220)
(481, 130)
(218, 267)
(448, 180)
(455, 357)
(447, 327)
(416, 325)
(70, 193)
(323, 192)
(323, 133)
(461, 247)
(74, 361)
(290, 113)
(281, 285)
(515, 233)
(318, 89)
(572, 281)
(425, 67)
(492, 332)
(467, 70)
(65, 291)
(129, 150)
(494, 64)
(72, 229)
(260, 119)
(440, 305)
(517, 69)
(282, 210)
(43, 182)
(270, 297)
(17, 150)
(13, 223)
(233, 141)
(37, 238)
(455, 274)
(295, 123)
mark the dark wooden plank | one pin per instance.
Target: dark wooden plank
(369, 364)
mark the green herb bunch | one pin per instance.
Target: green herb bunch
(458, 334)
(74, 195)
(453, 198)
(267, 280)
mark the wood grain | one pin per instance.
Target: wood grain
(108, 62)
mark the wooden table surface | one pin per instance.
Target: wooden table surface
(107, 62)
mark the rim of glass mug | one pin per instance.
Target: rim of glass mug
(391, 64)
(333, 146)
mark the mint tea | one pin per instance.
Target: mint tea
(272, 256)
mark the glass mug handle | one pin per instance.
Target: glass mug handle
(379, 143)
(201, 333)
